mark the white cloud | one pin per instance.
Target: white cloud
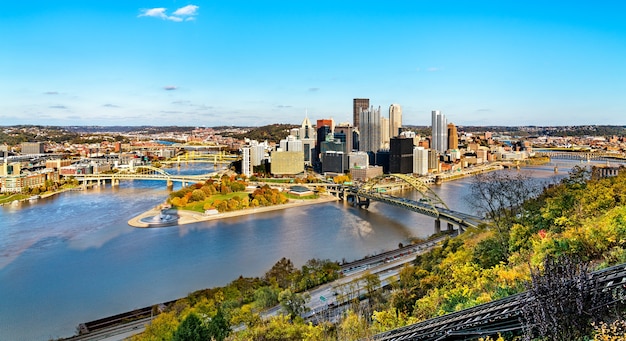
(186, 13)
(189, 10)
(154, 12)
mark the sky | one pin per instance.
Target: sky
(251, 63)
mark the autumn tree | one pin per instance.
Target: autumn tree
(281, 274)
(294, 304)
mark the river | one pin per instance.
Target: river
(73, 258)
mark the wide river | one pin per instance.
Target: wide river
(73, 258)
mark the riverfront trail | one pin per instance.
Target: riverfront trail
(190, 217)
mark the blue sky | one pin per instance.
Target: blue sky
(229, 62)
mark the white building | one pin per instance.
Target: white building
(369, 130)
(291, 144)
(439, 140)
(420, 161)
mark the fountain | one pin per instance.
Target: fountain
(166, 217)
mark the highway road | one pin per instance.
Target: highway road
(320, 299)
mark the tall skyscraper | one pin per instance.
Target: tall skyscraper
(384, 132)
(358, 104)
(439, 132)
(453, 137)
(401, 155)
(344, 132)
(307, 135)
(369, 129)
(395, 120)
(420, 161)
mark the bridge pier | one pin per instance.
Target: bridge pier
(437, 225)
(115, 182)
(451, 227)
(170, 185)
(363, 203)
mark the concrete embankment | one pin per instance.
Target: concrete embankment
(190, 217)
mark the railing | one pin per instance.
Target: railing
(490, 318)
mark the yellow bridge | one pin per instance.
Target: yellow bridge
(141, 173)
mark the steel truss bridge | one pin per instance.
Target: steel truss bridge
(583, 155)
(429, 204)
(198, 157)
(495, 317)
(141, 173)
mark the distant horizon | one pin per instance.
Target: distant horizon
(204, 63)
(298, 124)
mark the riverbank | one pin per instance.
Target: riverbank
(190, 217)
(39, 196)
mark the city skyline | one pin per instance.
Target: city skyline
(254, 63)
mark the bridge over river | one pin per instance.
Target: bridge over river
(375, 189)
(140, 173)
(429, 203)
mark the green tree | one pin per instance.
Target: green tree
(292, 303)
(266, 297)
(218, 328)
(191, 329)
(198, 195)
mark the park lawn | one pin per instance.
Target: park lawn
(198, 206)
(296, 197)
(7, 198)
(276, 181)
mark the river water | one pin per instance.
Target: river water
(73, 258)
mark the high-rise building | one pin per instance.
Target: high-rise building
(453, 137)
(395, 120)
(329, 122)
(384, 132)
(306, 134)
(401, 155)
(439, 140)
(344, 132)
(420, 161)
(433, 160)
(359, 104)
(369, 129)
(253, 155)
(333, 162)
(323, 133)
(291, 144)
(246, 169)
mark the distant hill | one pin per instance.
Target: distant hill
(271, 133)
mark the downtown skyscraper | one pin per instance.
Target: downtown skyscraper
(395, 120)
(439, 141)
(369, 130)
(359, 104)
